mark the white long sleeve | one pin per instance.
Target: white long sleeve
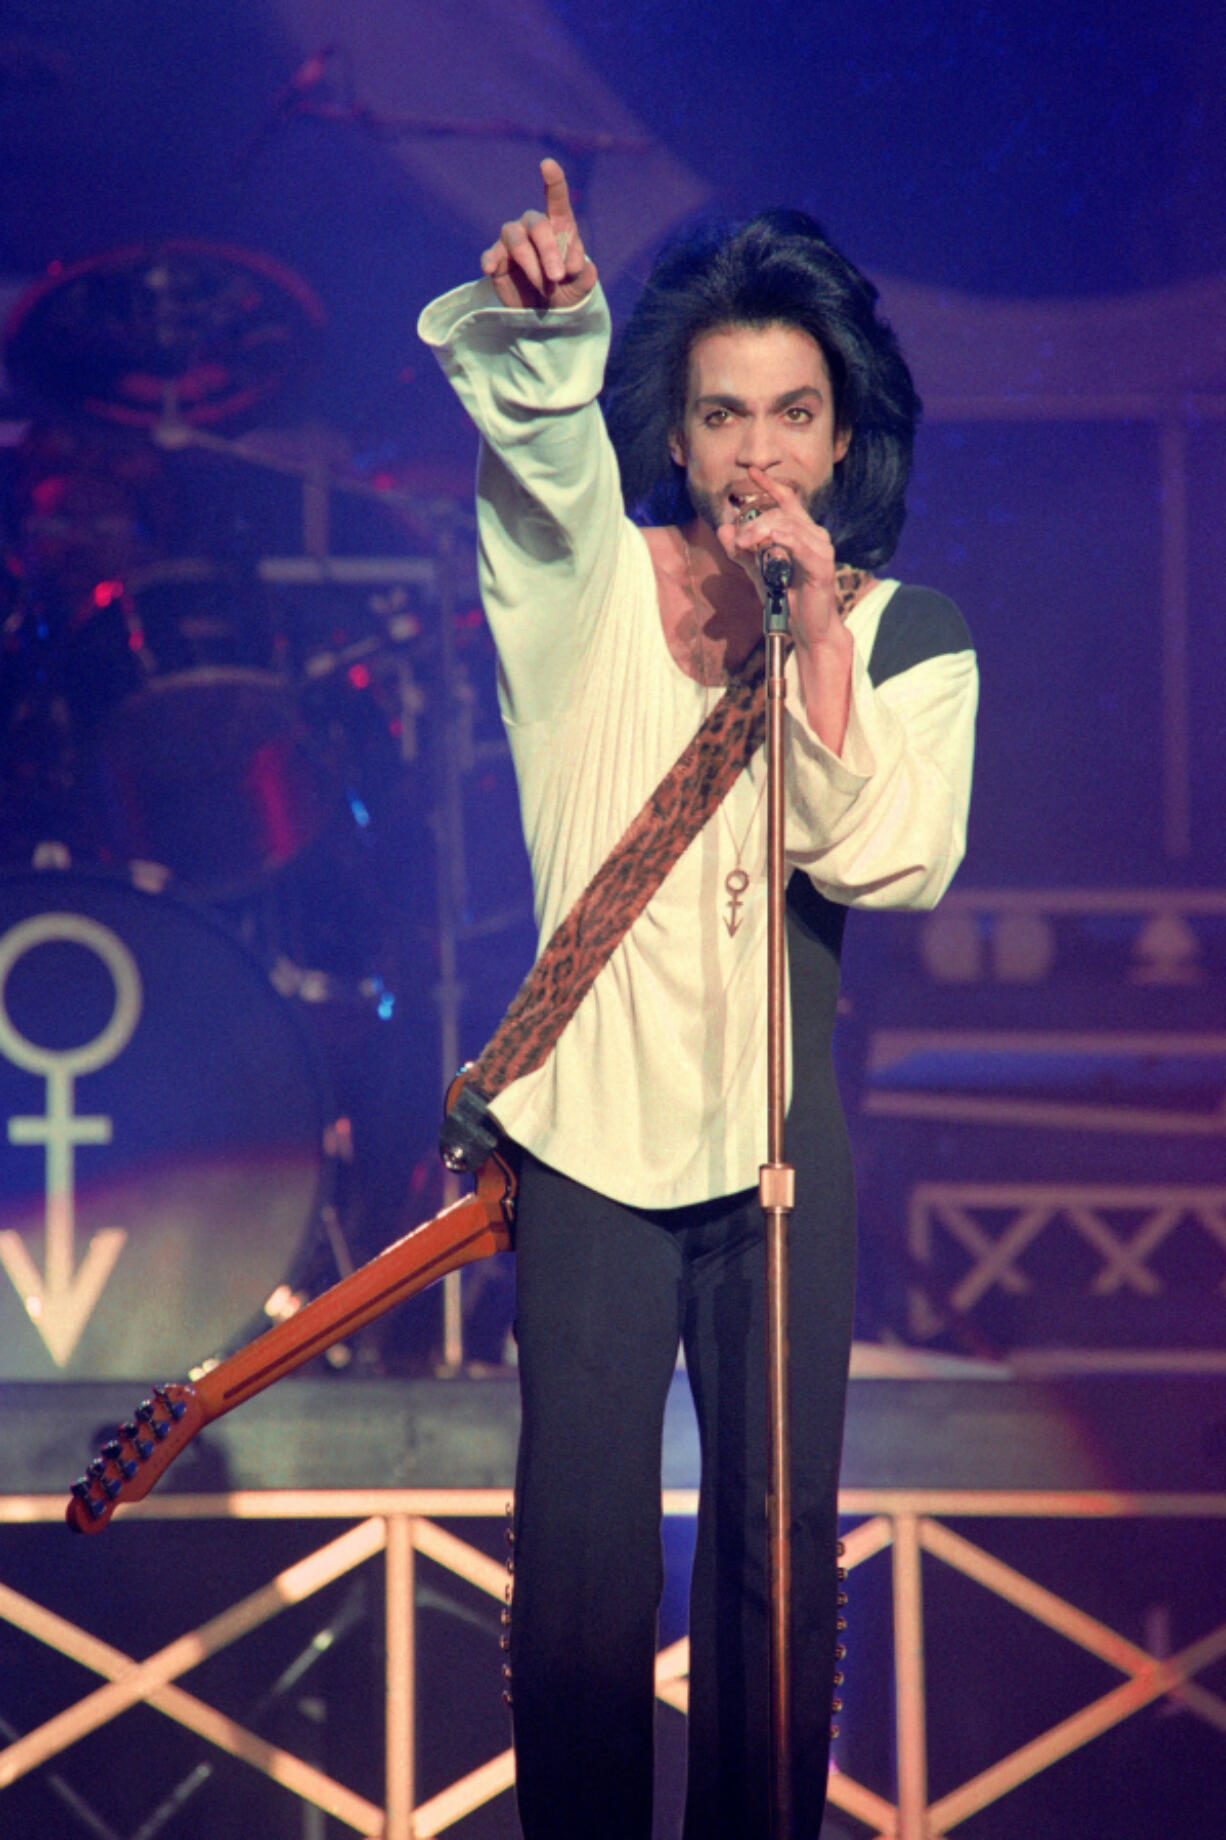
(655, 1093)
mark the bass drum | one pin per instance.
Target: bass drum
(163, 1157)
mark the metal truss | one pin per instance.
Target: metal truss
(1039, 1113)
(910, 1523)
(1091, 1211)
(394, 1525)
(397, 1525)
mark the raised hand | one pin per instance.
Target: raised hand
(539, 259)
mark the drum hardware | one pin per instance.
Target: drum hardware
(326, 664)
(307, 94)
(292, 99)
(51, 854)
(280, 451)
(184, 741)
(171, 731)
(412, 1339)
(91, 507)
(38, 743)
(352, 1610)
(312, 986)
(72, 1800)
(212, 772)
(150, 877)
(179, 333)
(220, 757)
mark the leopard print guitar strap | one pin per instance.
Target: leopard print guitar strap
(599, 920)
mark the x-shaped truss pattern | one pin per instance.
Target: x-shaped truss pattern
(1092, 1212)
(912, 1523)
(399, 1524)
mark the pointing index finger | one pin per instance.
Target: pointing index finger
(557, 194)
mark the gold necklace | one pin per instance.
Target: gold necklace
(737, 880)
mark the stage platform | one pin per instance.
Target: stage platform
(1037, 1638)
(953, 1425)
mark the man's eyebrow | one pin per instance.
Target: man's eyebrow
(717, 400)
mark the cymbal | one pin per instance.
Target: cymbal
(181, 331)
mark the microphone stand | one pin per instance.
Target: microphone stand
(777, 1194)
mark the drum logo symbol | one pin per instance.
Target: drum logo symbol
(61, 1298)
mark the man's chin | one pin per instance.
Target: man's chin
(710, 511)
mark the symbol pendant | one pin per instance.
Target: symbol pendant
(735, 882)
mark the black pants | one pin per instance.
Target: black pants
(605, 1293)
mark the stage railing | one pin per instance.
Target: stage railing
(397, 1526)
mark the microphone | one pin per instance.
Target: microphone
(774, 562)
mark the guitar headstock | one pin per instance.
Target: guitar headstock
(143, 1449)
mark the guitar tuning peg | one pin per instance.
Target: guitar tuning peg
(91, 1504)
(175, 1407)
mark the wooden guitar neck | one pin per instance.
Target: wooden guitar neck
(127, 1467)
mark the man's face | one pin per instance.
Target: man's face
(757, 396)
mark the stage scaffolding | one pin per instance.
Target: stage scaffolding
(396, 1527)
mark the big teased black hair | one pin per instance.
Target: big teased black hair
(779, 267)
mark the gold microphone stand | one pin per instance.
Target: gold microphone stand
(777, 1194)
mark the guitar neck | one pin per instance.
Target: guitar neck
(141, 1451)
(471, 1228)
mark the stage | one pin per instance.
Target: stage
(987, 1521)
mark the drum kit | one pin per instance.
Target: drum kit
(211, 778)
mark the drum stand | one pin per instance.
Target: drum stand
(452, 747)
(450, 752)
(91, 1821)
(352, 1611)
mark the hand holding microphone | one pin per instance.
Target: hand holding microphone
(774, 561)
(776, 541)
(771, 555)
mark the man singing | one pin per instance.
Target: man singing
(755, 400)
